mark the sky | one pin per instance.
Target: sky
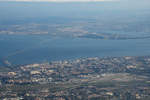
(75, 0)
(60, 0)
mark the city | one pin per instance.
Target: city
(95, 78)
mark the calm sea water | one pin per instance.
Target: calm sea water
(25, 49)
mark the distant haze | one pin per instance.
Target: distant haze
(59, 0)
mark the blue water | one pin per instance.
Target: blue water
(25, 49)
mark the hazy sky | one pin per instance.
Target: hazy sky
(76, 0)
(60, 0)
